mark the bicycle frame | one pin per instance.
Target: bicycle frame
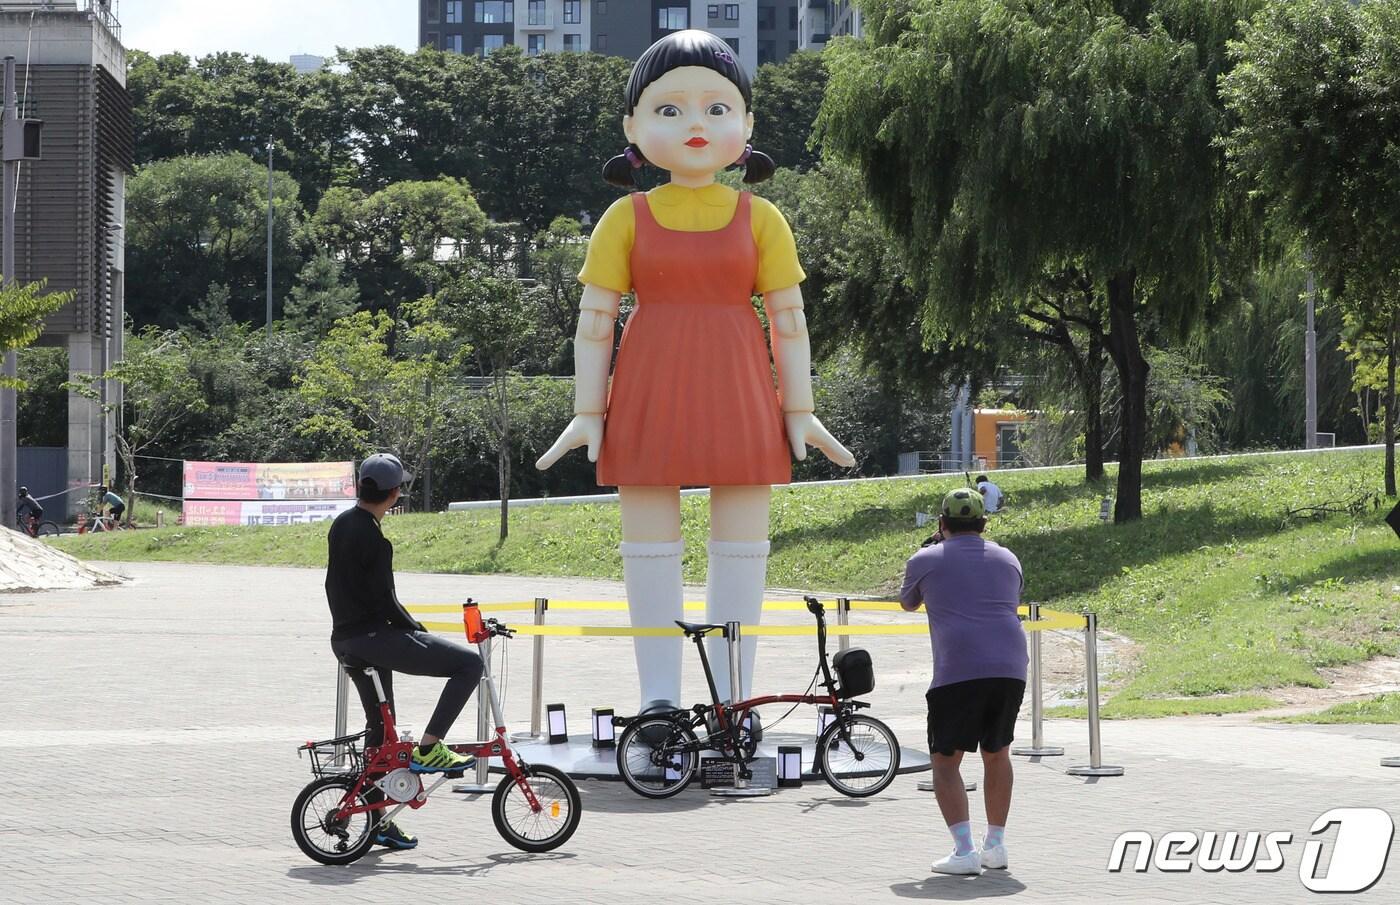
(394, 754)
(731, 716)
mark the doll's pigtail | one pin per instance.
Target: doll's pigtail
(620, 170)
(757, 165)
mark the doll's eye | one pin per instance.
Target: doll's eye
(668, 110)
(718, 109)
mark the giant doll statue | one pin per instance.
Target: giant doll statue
(692, 400)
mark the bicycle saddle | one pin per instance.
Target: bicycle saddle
(699, 628)
(350, 661)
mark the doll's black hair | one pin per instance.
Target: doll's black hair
(690, 47)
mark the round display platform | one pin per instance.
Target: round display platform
(578, 758)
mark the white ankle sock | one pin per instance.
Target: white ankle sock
(734, 593)
(652, 574)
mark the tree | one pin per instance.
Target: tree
(362, 399)
(321, 297)
(198, 221)
(233, 102)
(529, 133)
(495, 319)
(159, 393)
(557, 259)
(1318, 128)
(22, 312)
(389, 242)
(786, 99)
(1000, 139)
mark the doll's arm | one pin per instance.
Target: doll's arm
(593, 346)
(792, 354)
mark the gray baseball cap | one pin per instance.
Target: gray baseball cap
(384, 470)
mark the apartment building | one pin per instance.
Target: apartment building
(818, 21)
(760, 31)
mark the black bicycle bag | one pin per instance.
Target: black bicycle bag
(855, 674)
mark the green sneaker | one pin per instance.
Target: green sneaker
(390, 835)
(439, 759)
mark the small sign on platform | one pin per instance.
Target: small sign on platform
(718, 773)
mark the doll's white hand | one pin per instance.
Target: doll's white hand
(584, 430)
(804, 429)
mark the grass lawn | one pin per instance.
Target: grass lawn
(1384, 708)
(1225, 597)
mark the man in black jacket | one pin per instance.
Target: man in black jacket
(370, 625)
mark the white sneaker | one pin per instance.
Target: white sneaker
(958, 864)
(994, 858)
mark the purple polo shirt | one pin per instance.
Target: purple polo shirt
(970, 588)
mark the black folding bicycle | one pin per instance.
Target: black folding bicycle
(659, 754)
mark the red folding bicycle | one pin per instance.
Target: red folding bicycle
(659, 754)
(536, 808)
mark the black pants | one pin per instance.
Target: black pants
(418, 654)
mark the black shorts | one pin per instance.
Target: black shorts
(963, 715)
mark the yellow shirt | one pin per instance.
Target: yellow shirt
(707, 209)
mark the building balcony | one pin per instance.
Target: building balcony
(537, 22)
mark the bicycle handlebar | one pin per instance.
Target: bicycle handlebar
(499, 629)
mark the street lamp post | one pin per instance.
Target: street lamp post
(269, 237)
(1310, 370)
(22, 141)
(9, 400)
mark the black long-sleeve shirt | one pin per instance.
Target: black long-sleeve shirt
(360, 578)
(29, 506)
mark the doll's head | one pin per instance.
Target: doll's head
(688, 112)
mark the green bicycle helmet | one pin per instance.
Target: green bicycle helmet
(963, 503)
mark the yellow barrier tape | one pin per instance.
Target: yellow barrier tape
(1050, 620)
(627, 631)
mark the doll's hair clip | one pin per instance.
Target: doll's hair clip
(632, 158)
(726, 56)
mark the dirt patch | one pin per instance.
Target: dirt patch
(27, 564)
(1353, 682)
(1062, 664)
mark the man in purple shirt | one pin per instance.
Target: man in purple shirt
(970, 588)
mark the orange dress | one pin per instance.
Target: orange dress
(692, 400)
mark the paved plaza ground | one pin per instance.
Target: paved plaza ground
(149, 736)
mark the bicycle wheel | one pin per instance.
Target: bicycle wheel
(320, 836)
(862, 766)
(657, 771)
(541, 830)
(48, 529)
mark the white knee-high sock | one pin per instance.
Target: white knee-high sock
(734, 593)
(652, 574)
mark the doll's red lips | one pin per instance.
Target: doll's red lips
(697, 142)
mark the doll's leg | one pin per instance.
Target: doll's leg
(651, 569)
(737, 574)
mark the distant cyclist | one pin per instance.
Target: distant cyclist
(28, 510)
(115, 504)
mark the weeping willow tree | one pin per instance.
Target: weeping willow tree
(1317, 94)
(1001, 139)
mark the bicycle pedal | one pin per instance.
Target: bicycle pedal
(456, 774)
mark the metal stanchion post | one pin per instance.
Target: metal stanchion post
(483, 730)
(1037, 748)
(342, 709)
(843, 617)
(1095, 766)
(1390, 761)
(536, 680)
(741, 788)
